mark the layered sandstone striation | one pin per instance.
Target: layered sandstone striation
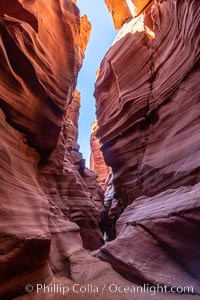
(51, 205)
(97, 163)
(148, 109)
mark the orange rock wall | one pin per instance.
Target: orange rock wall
(148, 112)
(97, 163)
(51, 204)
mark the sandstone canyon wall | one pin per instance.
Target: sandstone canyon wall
(97, 163)
(51, 204)
(148, 111)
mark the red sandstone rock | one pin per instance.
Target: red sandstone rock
(123, 10)
(148, 109)
(85, 28)
(97, 163)
(50, 204)
(40, 70)
(148, 131)
(160, 238)
(119, 10)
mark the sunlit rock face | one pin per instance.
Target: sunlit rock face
(119, 10)
(148, 106)
(51, 205)
(123, 10)
(85, 28)
(97, 163)
(40, 74)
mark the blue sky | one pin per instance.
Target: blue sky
(102, 36)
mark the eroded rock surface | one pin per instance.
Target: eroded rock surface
(97, 163)
(51, 205)
(148, 109)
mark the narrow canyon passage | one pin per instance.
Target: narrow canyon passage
(141, 193)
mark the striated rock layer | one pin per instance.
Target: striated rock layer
(97, 163)
(51, 205)
(148, 108)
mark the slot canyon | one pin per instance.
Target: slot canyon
(128, 226)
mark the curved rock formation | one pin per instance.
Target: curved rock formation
(148, 115)
(148, 109)
(51, 205)
(31, 72)
(97, 163)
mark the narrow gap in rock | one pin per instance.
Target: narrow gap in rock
(121, 219)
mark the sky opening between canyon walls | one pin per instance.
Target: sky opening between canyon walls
(102, 36)
(65, 233)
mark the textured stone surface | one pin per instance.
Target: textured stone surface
(159, 231)
(50, 204)
(148, 112)
(119, 10)
(148, 109)
(35, 75)
(97, 163)
(123, 10)
(85, 28)
(149, 129)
